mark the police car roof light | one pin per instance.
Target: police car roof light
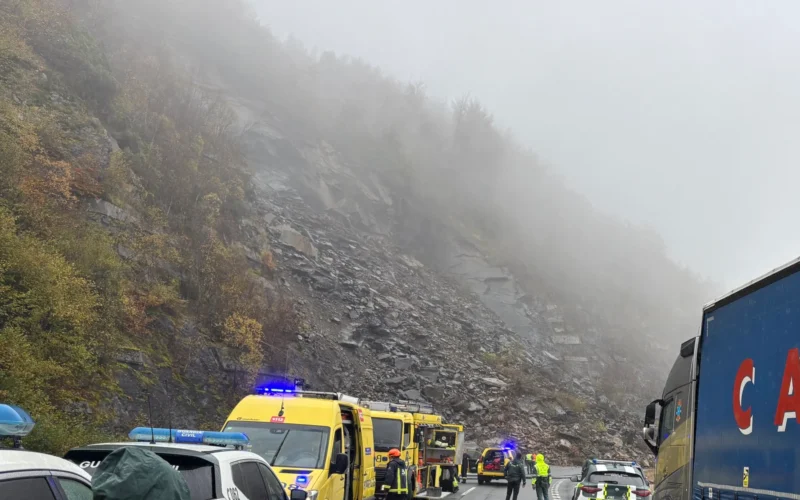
(14, 421)
(161, 435)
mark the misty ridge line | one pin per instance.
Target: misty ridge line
(450, 156)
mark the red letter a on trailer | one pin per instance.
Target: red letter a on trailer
(789, 399)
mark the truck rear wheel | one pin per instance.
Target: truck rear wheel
(481, 480)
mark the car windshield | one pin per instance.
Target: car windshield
(616, 478)
(197, 472)
(286, 445)
(388, 433)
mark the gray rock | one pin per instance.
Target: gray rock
(494, 382)
(131, 357)
(403, 363)
(434, 393)
(431, 374)
(291, 237)
(125, 252)
(324, 284)
(412, 395)
(107, 209)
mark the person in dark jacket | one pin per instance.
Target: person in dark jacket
(133, 473)
(396, 483)
(515, 474)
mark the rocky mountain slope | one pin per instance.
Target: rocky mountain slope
(383, 325)
(296, 216)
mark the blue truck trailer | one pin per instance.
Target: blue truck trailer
(727, 423)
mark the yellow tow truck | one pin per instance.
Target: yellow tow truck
(430, 448)
(319, 442)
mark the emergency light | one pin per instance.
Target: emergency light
(509, 446)
(14, 422)
(302, 480)
(274, 390)
(161, 435)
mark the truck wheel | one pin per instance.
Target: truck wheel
(481, 480)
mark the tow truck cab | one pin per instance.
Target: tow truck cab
(315, 441)
(492, 463)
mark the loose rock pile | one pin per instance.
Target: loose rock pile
(383, 326)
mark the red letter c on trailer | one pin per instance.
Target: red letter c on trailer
(744, 418)
(789, 398)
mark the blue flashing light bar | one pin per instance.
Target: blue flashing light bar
(275, 390)
(161, 435)
(14, 421)
(302, 480)
(509, 446)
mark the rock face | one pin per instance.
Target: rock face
(434, 321)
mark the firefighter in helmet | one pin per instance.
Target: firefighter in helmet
(396, 483)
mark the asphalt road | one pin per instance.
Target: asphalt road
(561, 487)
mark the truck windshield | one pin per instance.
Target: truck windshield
(286, 445)
(388, 433)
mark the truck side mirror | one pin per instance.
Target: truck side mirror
(650, 413)
(340, 466)
(419, 437)
(649, 435)
(298, 494)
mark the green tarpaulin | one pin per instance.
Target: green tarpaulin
(133, 473)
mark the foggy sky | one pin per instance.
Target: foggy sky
(683, 115)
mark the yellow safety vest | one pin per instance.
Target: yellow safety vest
(542, 469)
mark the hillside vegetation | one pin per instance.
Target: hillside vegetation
(123, 188)
(68, 301)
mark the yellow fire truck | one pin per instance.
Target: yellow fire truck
(319, 442)
(430, 448)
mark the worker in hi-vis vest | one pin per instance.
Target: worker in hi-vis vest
(529, 463)
(541, 478)
(396, 482)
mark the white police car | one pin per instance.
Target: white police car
(609, 479)
(213, 464)
(35, 476)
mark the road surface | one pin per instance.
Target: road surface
(561, 487)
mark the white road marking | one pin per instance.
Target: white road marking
(554, 494)
(468, 491)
